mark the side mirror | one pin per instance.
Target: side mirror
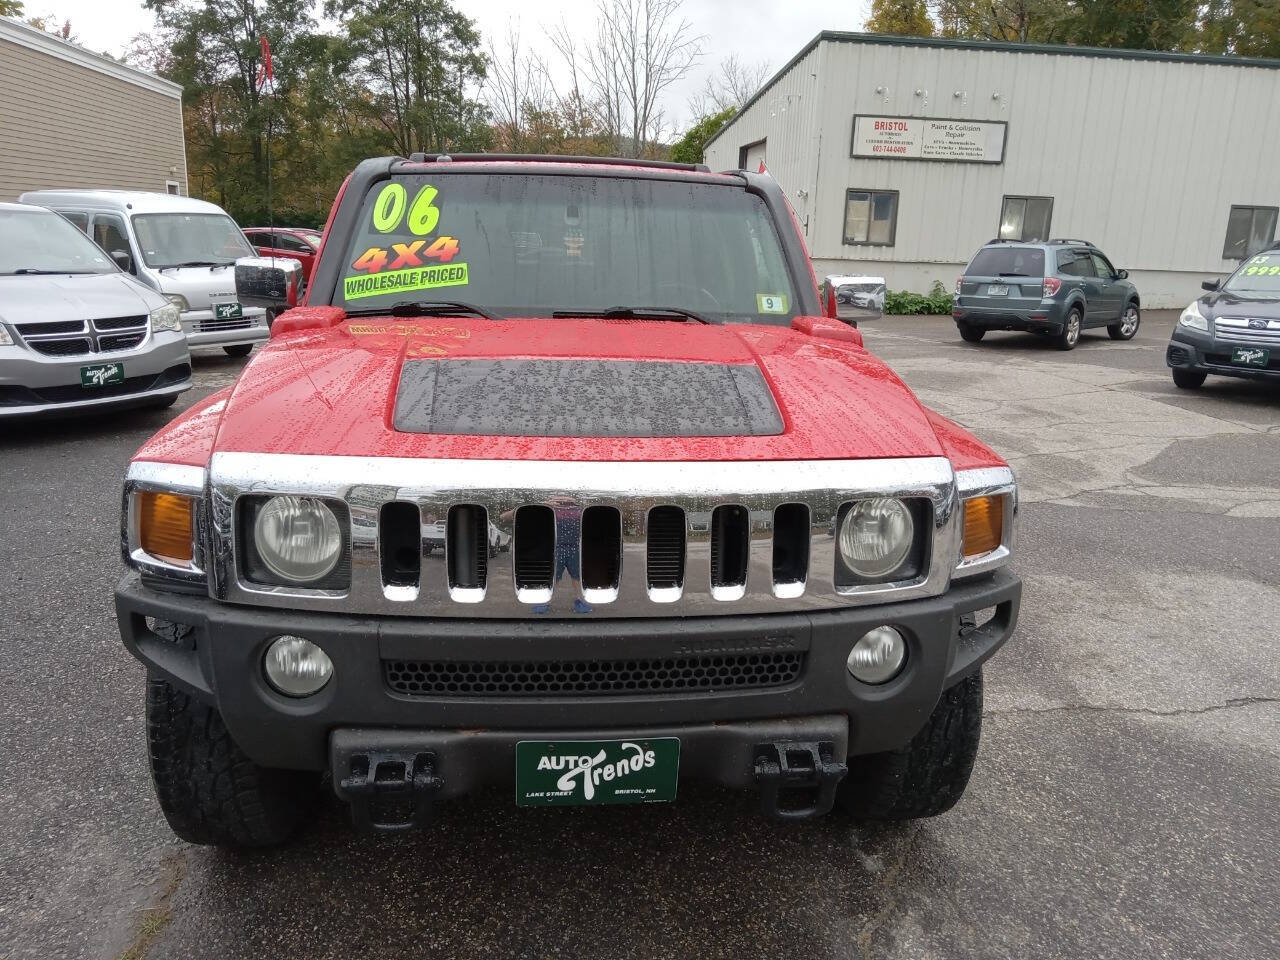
(1122, 274)
(1210, 285)
(123, 260)
(268, 282)
(829, 301)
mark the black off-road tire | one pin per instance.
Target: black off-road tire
(1188, 379)
(209, 791)
(239, 349)
(970, 334)
(1071, 330)
(928, 775)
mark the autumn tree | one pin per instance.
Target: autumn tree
(906, 18)
(1012, 21)
(729, 86)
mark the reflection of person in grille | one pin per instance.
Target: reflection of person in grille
(568, 542)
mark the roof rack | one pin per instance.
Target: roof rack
(554, 158)
(1070, 240)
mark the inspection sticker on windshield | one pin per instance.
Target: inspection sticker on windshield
(771, 303)
(557, 773)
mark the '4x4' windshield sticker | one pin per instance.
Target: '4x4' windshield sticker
(413, 264)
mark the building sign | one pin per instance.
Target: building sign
(927, 138)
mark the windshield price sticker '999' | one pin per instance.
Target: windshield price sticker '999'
(413, 264)
(1262, 266)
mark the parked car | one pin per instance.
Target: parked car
(77, 333)
(697, 586)
(1056, 289)
(293, 243)
(856, 297)
(1234, 329)
(181, 247)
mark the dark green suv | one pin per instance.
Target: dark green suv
(1056, 289)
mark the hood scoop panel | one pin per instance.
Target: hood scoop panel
(584, 398)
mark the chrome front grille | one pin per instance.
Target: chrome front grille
(482, 538)
(73, 338)
(1253, 331)
(214, 325)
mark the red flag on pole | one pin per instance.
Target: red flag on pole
(265, 72)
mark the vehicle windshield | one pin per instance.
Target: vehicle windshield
(37, 241)
(535, 245)
(1259, 276)
(191, 239)
(1007, 262)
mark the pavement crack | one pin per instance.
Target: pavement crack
(155, 918)
(1149, 711)
(888, 882)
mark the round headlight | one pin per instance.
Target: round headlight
(878, 655)
(296, 666)
(876, 536)
(298, 538)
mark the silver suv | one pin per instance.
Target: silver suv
(76, 332)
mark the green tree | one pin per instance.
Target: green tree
(689, 148)
(10, 8)
(1246, 28)
(1131, 24)
(421, 62)
(1012, 21)
(904, 18)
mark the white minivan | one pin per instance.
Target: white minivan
(186, 249)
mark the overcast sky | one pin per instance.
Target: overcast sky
(755, 30)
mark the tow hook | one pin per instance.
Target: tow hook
(797, 780)
(390, 792)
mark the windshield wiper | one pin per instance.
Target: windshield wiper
(36, 271)
(195, 263)
(1011, 274)
(436, 308)
(638, 313)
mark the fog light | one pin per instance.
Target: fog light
(878, 656)
(297, 667)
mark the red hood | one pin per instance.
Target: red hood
(332, 391)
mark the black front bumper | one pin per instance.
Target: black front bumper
(220, 660)
(1200, 352)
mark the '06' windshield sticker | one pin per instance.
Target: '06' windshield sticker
(411, 264)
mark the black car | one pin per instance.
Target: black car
(1234, 329)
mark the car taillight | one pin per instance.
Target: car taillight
(959, 281)
(1051, 286)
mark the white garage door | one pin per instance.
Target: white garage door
(754, 156)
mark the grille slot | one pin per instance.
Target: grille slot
(236, 323)
(587, 678)
(730, 541)
(119, 323)
(790, 548)
(535, 548)
(601, 548)
(120, 341)
(48, 329)
(665, 562)
(400, 545)
(60, 348)
(468, 547)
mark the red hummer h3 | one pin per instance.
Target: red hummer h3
(564, 481)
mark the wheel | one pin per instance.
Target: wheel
(1188, 379)
(239, 350)
(209, 791)
(1070, 334)
(970, 334)
(928, 775)
(1128, 325)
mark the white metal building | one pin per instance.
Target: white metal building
(901, 156)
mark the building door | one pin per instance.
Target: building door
(753, 156)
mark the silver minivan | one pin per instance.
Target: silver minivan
(184, 248)
(77, 332)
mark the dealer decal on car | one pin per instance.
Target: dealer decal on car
(405, 266)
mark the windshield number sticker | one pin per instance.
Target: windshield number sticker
(1261, 269)
(389, 210)
(771, 303)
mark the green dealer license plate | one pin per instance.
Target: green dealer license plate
(1250, 356)
(227, 311)
(101, 374)
(559, 773)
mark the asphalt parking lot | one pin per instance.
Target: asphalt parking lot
(1125, 802)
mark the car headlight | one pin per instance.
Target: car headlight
(1193, 318)
(179, 301)
(875, 537)
(168, 317)
(5, 339)
(298, 538)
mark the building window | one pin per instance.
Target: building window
(1249, 229)
(871, 217)
(173, 188)
(1026, 218)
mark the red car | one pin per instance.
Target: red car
(691, 527)
(295, 243)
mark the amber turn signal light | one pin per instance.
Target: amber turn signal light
(164, 526)
(983, 525)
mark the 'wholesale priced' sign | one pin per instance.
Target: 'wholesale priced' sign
(926, 138)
